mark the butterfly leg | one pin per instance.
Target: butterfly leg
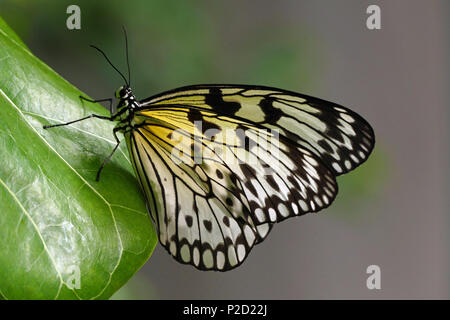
(99, 100)
(111, 154)
(78, 120)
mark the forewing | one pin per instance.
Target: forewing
(339, 137)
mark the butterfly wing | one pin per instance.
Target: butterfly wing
(220, 164)
(339, 137)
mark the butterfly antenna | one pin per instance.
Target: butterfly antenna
(128, 61)
(109, 61)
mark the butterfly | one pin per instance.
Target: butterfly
(219, 165)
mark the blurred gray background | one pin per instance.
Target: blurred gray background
(392, 212)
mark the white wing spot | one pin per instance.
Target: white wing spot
(329, 193)
(249, 235)
(337, 167)
(303, 205)
(272, 214)
(173, 248)
(263, 229)
(347, 118)
(260, 215)
(185, 254)
(196, 256)
(318, 201)
(241, 252)
(208, 258)
(294, 207)
(348, 164)
(283, 210)
(232, 259)
(220, 260)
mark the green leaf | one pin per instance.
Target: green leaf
(55, 220)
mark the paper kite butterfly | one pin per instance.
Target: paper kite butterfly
(220, 164)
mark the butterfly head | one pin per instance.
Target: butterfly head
(124, 92)
(126, 97)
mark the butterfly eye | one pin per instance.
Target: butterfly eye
(120, 92)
